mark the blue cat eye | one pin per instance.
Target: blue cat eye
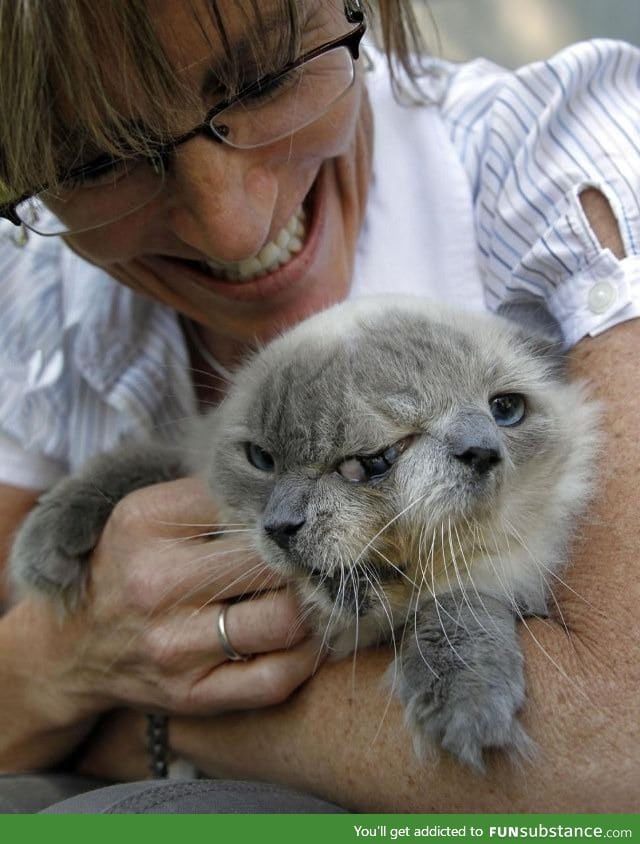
(259, 458)
(508, 410)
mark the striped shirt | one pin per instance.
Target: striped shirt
(474, 200)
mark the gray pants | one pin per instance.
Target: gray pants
(64, 794)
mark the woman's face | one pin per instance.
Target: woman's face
(221, 204)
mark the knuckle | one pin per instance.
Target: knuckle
(163, 648)
(274, 683)
(135, 512)
(125, 516)
(140, 588)
(285, 619)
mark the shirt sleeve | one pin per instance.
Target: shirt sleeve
(23, 469)
(33, 395)
(531, 141)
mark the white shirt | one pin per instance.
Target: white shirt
(474, 201)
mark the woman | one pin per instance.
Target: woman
(215, 172)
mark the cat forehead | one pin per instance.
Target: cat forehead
(331, 376)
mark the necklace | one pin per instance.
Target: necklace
(204, 353)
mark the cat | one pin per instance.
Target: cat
(417, 472)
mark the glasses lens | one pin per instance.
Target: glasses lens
(288, 102)
(94, 199)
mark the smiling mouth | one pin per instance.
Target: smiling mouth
(275, 254)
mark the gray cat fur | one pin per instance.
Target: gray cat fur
(436, 550)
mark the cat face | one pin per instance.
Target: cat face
(374, 443)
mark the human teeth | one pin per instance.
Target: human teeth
(288, 242)
(249, 267)
(283, 239)
(269, 254)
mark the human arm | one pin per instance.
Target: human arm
(145, 636)
(35, 728)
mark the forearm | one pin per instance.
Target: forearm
(43, 715)
(342, 743)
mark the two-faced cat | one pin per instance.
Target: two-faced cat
(417, 472)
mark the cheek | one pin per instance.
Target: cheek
(116, 243)
(241, 493)
(532, 443)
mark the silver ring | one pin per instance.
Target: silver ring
(229, 651)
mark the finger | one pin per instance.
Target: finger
(192, 641)
(179, 508)
(267, 680)
(271, 622)
(200, 574)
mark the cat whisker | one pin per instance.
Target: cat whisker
(213, 534)
(451, 589)
(512, 529)
(457, 620)
(440, 610)
(339, 594)
(389, 523)
(387, 609)
(535, 639)
(201, 524)
(514, 602)
(500, 636)
(463, 591)
(396, 568)
(423, 571)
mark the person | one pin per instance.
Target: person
(179, 181)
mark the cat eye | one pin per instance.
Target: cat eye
(367, 467)
(508, 410)
(259, 458)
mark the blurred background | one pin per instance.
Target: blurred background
(512, 32)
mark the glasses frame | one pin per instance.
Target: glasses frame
(354, 14)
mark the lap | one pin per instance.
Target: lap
(30, 793)
(193, 797)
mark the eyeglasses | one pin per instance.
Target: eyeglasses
(274, 107)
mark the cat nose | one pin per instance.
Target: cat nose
(482, 460)
(283, 531)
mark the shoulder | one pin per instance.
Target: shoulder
(480, 89)
(30, 296)
(68, 334)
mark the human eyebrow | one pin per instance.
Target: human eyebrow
(242, 54)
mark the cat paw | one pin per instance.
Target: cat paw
(50, 551)
(462, 679)
(471, 716)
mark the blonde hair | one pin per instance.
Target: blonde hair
(57, 97)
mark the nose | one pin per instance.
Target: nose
(482, 460)
(282, 532)
(474, 440)
(222, 200)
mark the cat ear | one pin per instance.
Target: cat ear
(540, 332)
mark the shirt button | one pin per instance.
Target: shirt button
(601, 296)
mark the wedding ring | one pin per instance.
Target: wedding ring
(229, 651)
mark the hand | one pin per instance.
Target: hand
(117, 748)
(147, 632)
